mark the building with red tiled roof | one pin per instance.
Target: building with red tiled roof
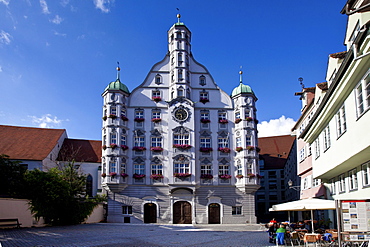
(274, 154)
(36, 147)
(42, 148)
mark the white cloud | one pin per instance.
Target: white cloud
(44, 7)
(59, 34)
(46, 121)
(1, 69)
(103, 5)
(6, 2)
(275, 127)
(64, 2)
(57, 20)
(5, 37)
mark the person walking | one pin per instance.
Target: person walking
(280, 234)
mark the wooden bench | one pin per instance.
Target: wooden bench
(9, 223)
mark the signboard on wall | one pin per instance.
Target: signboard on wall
(355, 216)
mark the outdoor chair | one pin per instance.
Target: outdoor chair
(310, 238)
(294, 239)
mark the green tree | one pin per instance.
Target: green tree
(11, 177)
(58, 195)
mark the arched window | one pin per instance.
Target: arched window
(158, 79)
(89, 185)
(202, 80)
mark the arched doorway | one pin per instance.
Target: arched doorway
(150, 213)
(182, 213)
(214, 213)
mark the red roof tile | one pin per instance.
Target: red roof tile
(339, 55)
(25, 143)
(81, 151)
(275, 150)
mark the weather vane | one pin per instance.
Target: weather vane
(300, 79)
(178, 15)
(241, 73)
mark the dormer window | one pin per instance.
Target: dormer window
(158, 79)
(202, 80)
(180, 92)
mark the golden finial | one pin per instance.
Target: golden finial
(178, 16)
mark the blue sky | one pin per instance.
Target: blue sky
(57, 56)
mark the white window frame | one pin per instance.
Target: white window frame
(181, 167)
(205, 142)
(365, 174)
(156, 169)
(113, 138)
(236, 210)
(332, 186)
(112, 166)
(181, 138)
(127, 210)
(317, 148)
(248, 140)
(156, 141)
(326, 137)
(224, 169)
(223, 142)
(352, 179)
(206, 169)
(302, 155)
(139, 114)
(139, 169)
(342, 183)
(362, 93)
(123, 140)
(341, 121)
(139, 141)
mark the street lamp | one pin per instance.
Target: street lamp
(290, 183)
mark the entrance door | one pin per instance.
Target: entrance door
(182, 213)
(150, 213)
(214, 213)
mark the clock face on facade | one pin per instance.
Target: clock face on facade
(181, 114)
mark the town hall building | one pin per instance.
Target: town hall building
(178, 149)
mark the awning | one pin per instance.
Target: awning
(304, 205)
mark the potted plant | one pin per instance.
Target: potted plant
(249, 119)
(181, 175)
(206, 150)
(113, 145)
(238, 120)
(156, 149)
(124, 147)
(239, 149)
(203, 120)
(156, 120)
(113, 174)
(258, 149)
(104, 118)
(259, 176)
(156, 99)
(182, 146)
(206, 176)
(224, 150)
(239, 176)
(223, 121)
(139, 119)
(138, 176)
(251, 175)
(136, 148)
(204, 100)
(250, 148)
(112, 116)
(124, 118)
(124, 175)
(104, 147)
(224, 176)
(156, 176)
(103, 175)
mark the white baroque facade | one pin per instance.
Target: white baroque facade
(178, 149)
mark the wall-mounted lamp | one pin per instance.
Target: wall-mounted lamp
(290, 183)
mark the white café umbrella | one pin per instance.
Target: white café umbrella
(305, 205)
